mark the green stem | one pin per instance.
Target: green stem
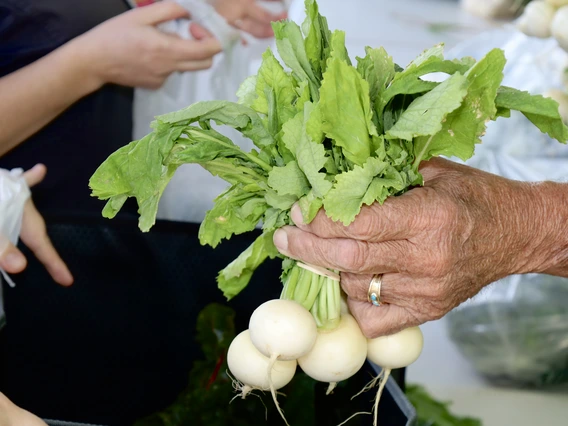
(319, 294)
(420, 156)
(303, 288)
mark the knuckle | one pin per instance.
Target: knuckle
(352, 255)
(365, 228)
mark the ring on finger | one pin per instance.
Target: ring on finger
(374, 292)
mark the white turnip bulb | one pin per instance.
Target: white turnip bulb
(249, 366)
(337, 354)
(282, 329)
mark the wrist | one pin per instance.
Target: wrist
(546, 232)
(81, 65)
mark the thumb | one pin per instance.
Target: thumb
(11, 259)
(35, 175)
(157, 13)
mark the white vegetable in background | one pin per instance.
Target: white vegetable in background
(557, 3)
(559, 27)
(561, 97)
(249, 366)
(491, 8)
(337, 354)
(536, 19)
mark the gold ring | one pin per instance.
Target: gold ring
(374, 293)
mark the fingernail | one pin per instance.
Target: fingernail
(296, 214)
(15, 261)
(281, 241)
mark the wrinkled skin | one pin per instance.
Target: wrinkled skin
(437, 245)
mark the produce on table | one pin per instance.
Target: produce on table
(329, 134)
(544, 19)
(536, 19)
(493, 9)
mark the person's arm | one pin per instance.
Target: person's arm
(126, 50)
(438, 245)
(38, 93)
(12, 415)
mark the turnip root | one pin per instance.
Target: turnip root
(390, 352)
(559, 27)
(337, 354)
(561, 97)
(536, 19)
(281, 330)
(249, 366)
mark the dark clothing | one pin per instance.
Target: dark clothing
(119, 343)
(78, 141)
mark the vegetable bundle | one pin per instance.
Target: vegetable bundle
(331, 135)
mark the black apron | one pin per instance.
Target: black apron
(117, 345)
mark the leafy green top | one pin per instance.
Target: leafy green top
(328, 134)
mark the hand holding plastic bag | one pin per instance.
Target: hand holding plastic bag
(20, 218)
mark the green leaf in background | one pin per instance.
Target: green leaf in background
(236, 211)
(344, 201)
(541, 111)
(289, 180)
(290, 44)
(345, 109)
(235, 277)
(424, 115)
(463, 128)
(431, 412)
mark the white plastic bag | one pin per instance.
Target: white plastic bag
(14, 192)
(515, 332)
(191, 191)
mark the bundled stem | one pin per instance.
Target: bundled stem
(318, 293)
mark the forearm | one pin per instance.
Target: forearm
(550, 218)
(36, 94)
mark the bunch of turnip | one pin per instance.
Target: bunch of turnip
(283, 335)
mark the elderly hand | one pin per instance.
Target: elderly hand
(129, 50)
(34, 236)
(248, 16)
(12, 415)
(436, 245)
